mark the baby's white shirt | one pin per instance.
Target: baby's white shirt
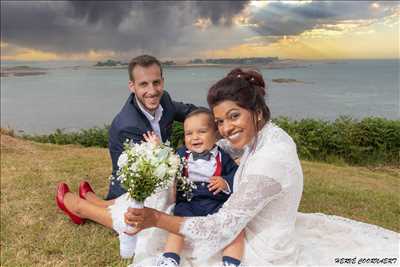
(201, 170)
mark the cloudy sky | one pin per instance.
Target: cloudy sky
(90, 30)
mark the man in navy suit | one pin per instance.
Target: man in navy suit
(148, 108)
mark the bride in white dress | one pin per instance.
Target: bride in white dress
(266, 195)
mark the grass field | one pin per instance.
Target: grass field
(35, 233)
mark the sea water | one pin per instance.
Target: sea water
(73, 95)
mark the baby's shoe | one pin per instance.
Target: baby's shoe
(163, 261)
(230, 262)
(225, 264)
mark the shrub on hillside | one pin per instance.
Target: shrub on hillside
(86, 137)
(369, 141)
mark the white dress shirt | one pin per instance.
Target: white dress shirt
(154, 120)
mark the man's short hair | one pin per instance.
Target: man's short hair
(143, 61)
(206, 111)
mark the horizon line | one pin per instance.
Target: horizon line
(177, 59)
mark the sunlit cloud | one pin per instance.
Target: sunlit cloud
(393, 19)
(285, 48)
(3, 45)
(96, 55)
(295, 2)
(10, 52)
(264, 3)
(203, 23)
(338, 29)
(17, 53)
(375, 5)
(348, 25)
(243, 21)
(346, 38)
(258, 4)
(262, 40)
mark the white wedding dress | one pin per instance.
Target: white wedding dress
(267, 191)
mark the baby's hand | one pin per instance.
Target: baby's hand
(217, 184)
(237, 161)
(151, 137)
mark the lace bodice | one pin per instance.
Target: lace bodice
(267, 192)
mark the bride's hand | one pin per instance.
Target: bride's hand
(151, 137)
(140, 219)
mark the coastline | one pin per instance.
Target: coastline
(23, 70)
(27, 70)
(279, 64)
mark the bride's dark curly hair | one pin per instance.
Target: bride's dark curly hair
(245, 88)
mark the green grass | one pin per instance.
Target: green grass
(369, 195)
(35, 233)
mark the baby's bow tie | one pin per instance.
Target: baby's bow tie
(206, 155)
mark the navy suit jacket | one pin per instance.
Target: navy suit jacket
(229, 168)
(131, 123)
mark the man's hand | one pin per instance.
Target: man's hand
(217, 184)
(141, 219)
(151, 137)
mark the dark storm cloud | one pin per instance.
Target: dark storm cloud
(218, 10)
(279, 18)
(32, 24)
(115, 11)
(95, 11)
(77, 26)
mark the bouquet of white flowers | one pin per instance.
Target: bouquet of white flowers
(143, 170)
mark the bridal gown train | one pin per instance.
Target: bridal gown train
(267, 191)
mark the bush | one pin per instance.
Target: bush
(177, 135)
(370, 141)
(87, 137)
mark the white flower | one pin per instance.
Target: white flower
(133, 167)
(163, 154)
(174, 161)
(171, 172)
(122, 160)
(161, 170)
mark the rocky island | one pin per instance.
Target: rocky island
(282, 80)
(20, 71)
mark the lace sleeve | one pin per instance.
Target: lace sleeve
(209, 235)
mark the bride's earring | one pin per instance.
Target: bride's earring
(259, 116)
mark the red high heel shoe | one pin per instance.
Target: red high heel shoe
(84, 187)
(62, 189)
